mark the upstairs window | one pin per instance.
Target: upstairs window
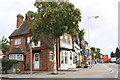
(17, 41)
(38, 45)
(28, 39)
(66, 39)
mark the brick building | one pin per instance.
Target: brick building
(42, 55)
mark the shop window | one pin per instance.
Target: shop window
(66, 60)
(74, 58)
(70, 55)
(62, 58)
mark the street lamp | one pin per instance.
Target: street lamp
(89, 53)
(30, 45)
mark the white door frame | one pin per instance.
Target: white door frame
(36, 60)
(63, 65)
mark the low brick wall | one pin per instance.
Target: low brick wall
(16, 68)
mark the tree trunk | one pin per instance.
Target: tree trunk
(55, 65)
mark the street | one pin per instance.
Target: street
(105, 70)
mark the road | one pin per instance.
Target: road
(106, 70)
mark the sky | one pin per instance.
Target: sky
(103, 31)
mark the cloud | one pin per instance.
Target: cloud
(103, 31)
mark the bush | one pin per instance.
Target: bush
(7, 64)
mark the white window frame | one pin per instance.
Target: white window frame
(15, 57)
(28, 39)
(51, 55)
(38, 45)
(66, 39)
(17, 41)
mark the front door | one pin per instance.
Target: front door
(36, 61)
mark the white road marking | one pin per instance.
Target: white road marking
(111, 70)
(116, 75)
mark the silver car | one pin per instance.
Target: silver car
(118, 61)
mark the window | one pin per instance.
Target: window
(62, 58)
(28, 39)
(66, 39)
(17, 41)
(70, 55)
(16, 56)
(51, 56)
(66, 61)
(36, 57)
(70, 40)
(61, 37)
(38, 45)
(74, 58)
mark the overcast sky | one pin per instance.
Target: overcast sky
(103, 30)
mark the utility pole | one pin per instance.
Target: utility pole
(89, 39)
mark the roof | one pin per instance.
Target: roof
(24, 29)
(47, 41)
(16, 50)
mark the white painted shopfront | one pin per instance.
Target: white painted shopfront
(67, 55)
(67, 59)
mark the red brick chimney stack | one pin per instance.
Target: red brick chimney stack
(19, 20)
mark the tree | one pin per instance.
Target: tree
(92, 48)
(81, 34)
(112, 54)
(117, 52)
(53, 19)
(4, 45)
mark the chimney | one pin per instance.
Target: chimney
(19, 20)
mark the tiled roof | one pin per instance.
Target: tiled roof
(24, 29)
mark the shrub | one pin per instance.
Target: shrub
(7, 64)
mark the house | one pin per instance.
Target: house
(42, 54)
(19, 47)
(68, 52)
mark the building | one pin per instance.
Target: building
(42, 54)
(19, 47)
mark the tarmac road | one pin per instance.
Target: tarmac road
(108, 70)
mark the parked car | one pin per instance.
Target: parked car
(118, 61)
(113, 60)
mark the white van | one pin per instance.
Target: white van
(113, 60)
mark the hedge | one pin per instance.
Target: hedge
(7, 64)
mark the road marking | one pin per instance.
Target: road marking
(111, 70)
(116, 75)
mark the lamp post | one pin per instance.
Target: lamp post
(89, 53)
(30, 45)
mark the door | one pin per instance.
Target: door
(64, 60)
(36, 61)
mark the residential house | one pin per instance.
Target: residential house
(42, 54)
(19, 47)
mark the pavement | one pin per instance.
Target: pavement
(97, 71)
